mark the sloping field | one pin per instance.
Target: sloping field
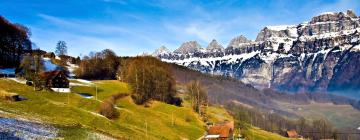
(77, 118)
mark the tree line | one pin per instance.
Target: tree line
(14, 42)
(245, 117)
(98, 65)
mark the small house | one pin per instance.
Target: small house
(292, 134)
(221, 131)
(55, 80)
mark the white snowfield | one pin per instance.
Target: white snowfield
(280, 27)
(83, 81)
(61, 90)
(211, 60)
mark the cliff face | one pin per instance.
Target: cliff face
(320, 55)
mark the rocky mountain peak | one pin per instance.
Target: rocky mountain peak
(188, 47)
(288, 31)
(310, 56)
(333, 16)
(238, 41)
(351, 14)
(161, 51)
(214, 46)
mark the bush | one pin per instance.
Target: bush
(107, 108)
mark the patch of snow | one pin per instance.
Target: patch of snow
(83, 81)
(211, 60)
(21, 81)
(71, 68)
(61, 90)
(325, 52)
(327, 13)
(293, 32)
(356, 48)
(78, 84)
(19, 129)
(279, 27)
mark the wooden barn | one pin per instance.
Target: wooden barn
(55, 79)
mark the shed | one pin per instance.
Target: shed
(292, 134)
(220, 131)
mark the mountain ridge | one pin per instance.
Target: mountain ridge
(309, 56)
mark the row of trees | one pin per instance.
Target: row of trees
(272, 122)
(149, 78)
(14, 42)
(99, 65)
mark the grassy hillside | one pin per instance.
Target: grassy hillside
(255, 133)
(77, 117)
(217, 113)
(341, 116)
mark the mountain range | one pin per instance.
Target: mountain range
(322, 55)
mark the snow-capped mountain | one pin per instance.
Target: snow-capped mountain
(190, 47)
(161, 51)
(214, 46)
(320, 55)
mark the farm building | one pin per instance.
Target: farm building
(56, 80)
(292, 134)
(220, 131)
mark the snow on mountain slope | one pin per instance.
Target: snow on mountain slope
(304, 57)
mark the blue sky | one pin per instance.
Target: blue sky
(130, 27)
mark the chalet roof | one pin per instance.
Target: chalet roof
(292, 134)
(223, 129)
(50, 74)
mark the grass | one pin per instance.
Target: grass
(77, 117)
(217, 113)
(341, 116)
(255, 133)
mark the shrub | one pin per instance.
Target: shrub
(107, 108)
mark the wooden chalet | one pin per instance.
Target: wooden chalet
(55, 79)
(221, 131)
